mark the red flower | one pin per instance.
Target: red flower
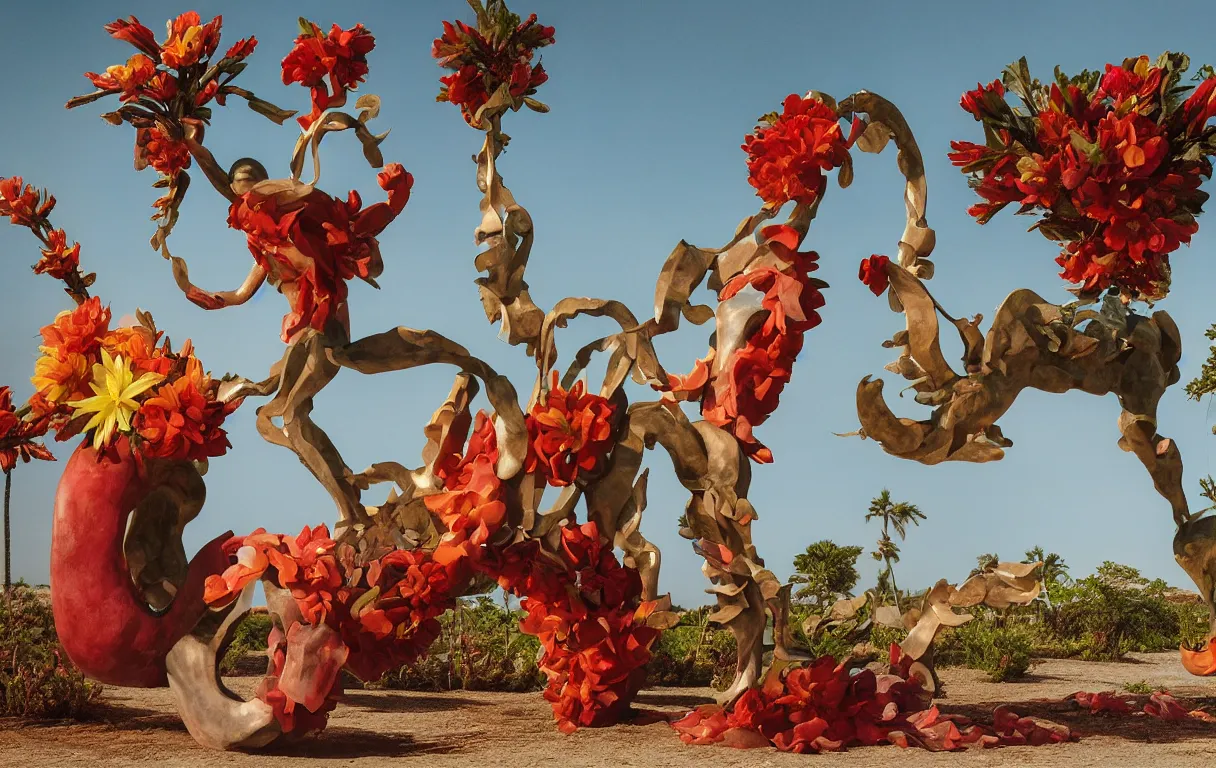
(242, 48)
(136, 34)
(984, 100)
(786, 159)
(495, 54)
(568, 432)
(17, 436)
(58, 260)
(154, 148)
(340, 57)
(873, 274)
(189, 40)
(179, 422)
(1200, 106)
(24, 206)
(1139, 80)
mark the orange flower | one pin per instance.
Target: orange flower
(569, 432)
(78, 331)
(23, 204)
(178, 422)
(61, 379)
(129, 79)
(137, 345)
(189, 40)
(474, 512)
(154, 148)
(58, 260)
(250, 561)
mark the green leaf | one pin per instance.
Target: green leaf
(306, 26)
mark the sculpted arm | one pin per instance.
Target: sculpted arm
(221, 299)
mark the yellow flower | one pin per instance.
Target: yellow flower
(113, 403)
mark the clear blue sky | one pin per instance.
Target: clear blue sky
(650, 102)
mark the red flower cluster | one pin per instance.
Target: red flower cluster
(741, 392)
(786, 157)
(164, 154)
(179, 421)
(1109, 161)
(582, 604)
(822, 708)
(586, 610)
(168, 83)
(336, 239)
(568, 433)
(18, 435)
(494, 55)
(339, 58)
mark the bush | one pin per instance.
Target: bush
(480, 648)
(1116, 611)
(249, 636)
(36, 678)
(693, 653)
(1001, 651)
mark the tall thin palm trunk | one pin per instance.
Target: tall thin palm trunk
(891, 570)
(8, 549)
(894, 588)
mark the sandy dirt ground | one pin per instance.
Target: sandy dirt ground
(471, 730)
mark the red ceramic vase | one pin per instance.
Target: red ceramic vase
(103, 621)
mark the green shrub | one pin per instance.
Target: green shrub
(1116, 611)
(1141, 688)
(1001, 651)
(480, 648)
(693, 653)
(250, 635)
(37, 680)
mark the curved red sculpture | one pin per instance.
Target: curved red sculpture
(105, 624)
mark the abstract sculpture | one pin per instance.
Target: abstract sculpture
(1113, 162)
(366, 596)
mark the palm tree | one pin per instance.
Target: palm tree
(1054, 570)
(895, 515)
(984, 563)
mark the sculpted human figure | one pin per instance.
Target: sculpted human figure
(306, 244)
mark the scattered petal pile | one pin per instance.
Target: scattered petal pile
(823, 708)
(1160, 705)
